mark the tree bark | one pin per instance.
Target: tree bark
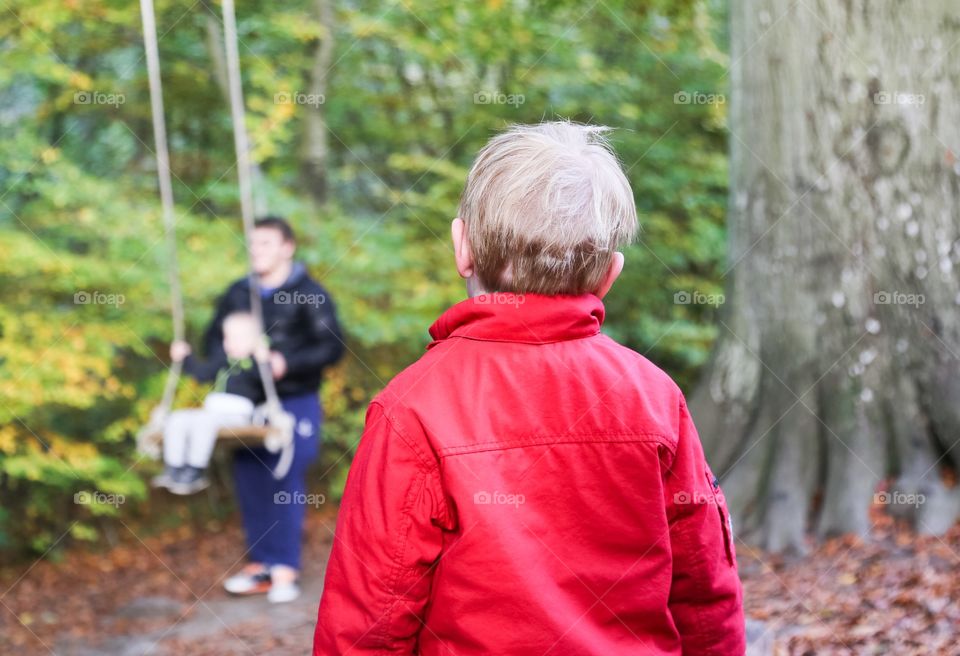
(836, 371)
(313, 162)
(216, 50)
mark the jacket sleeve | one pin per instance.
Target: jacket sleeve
(706, 599)
(325, 343)
(204, 371)
(388, 538)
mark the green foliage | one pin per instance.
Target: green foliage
(414, 90)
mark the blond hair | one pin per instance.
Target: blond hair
(546, 206)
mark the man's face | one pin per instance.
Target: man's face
(270, 251)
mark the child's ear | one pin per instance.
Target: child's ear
(613, 272)
(461, 248)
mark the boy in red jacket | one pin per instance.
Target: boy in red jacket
(529, 486)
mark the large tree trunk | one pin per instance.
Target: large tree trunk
(216, 50)
(838, 361)
(313, 162)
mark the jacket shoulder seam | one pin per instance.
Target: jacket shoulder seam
(425, 462)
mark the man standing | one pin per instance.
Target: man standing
(301, 324)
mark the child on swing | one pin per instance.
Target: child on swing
(530, 486)
(191, 434)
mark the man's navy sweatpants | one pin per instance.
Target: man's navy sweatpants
(273, 510)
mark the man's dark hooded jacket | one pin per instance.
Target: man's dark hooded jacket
(301, 322)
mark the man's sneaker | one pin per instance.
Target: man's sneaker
(250, 580)
(281, 593)
(166, 478)
(190, 481)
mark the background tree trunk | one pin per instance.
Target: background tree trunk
(837, 364)
(215, 48)
(313, 162)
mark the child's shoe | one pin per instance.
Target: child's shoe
(190, 481)
(166, 478)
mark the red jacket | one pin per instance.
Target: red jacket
(530, 487)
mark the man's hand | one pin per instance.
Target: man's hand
(179, 351)
(278, 364)
(261, 353)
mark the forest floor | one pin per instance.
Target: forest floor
(894, 593)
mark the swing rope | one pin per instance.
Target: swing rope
(166, 199)
(279, 437)
(242, 146)
(276, 416)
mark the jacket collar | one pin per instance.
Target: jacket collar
(525, 318)
(297, 273)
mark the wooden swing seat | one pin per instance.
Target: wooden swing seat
(238, 436)
(245, 435)
(276, 436)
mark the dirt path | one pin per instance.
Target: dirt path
(157, 596)
(216, 625)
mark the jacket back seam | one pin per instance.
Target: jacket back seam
(549, 440)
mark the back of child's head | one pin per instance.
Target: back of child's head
(546, 206)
